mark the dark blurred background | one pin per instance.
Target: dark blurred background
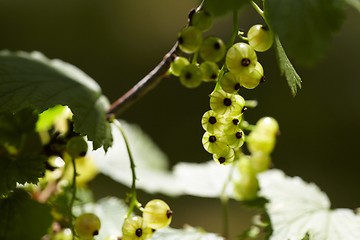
(119, 42)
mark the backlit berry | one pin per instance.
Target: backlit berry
(157, 214)
(241, 58)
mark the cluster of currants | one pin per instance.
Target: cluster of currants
(156, 215)
(223, 123)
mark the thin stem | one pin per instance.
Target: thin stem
(151, 80)
(73, 194)
(235, 30)
(133, 199)
(257, 9)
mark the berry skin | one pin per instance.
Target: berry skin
(260, 161)
(190, 39)
(226, 156)
(267, 125)
(202, 20)
(213, 143)
(247, 187)
(177, 65)
(191, 76)
(212, 49)
(236, 139)
(232, 124)
(212, 122)
(157, 214)
(252, 80)
(241, 58)
(260, 38)
(135, 228)
(260, 142)
(77, 147)
(230, 82)
(87, 225)
(222, 102)
(210, 71)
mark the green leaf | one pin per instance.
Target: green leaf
(20, 169)
(32, 80)
(14, 126)
(218, 8)
(354, 3)
(286, 68)
(305, 27)
(297, 208)
(23, 218)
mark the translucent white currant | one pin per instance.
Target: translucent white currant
(177, 65)
(260, 142)
(76, 147)
(260, 161)
(157, 214)
(260, 38)
(87, 225)
(246, 188)
(225, 156)
(212, 49)
(190, 39)
(225, 103)
(241, 58)
(213, 143)
(251, 80)
(202, 20)
(210, 71)
(212, 122)
(267, 125)
(135, 228)
(232, 124)
(230, 82)
(191, 76)
(236, 139)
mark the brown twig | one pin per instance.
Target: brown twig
(152, 79)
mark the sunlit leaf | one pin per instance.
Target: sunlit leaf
(32, 80)
(297, 208)
(354, 3)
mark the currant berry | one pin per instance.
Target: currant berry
(260, 161)
(241, 58)
(260, 142)
(177, 65)
(230, 83)
(246, 189)
(232, 124)
(210, 71)
(213, 143)
(260, 38)
(236, 139)
(157, 214)
(202, 20)
(251, 80)
(87, 225)
(190, 39)
(222, 102)
(212, 49)
(135, 228)
(212, 122)
(267, 125)
(77, 147)
(226, 156)
(191, 76)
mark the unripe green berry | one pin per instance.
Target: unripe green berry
(226, 156)
(246, 189)
(77, 147)
(260, 38)
(267, 125)
(260, 161)
(222, 102)
(260, 142)
(230, 82)
(212, 49)
(241, 58)
(202, 20)
(212, 122)
(87, 226)
(232, 124)
(210, 71)
(213, 143)
(177, 65)
(135, 228)
(236, 139)
(191, 76)
(251, 80)
(157, 214)
(190, 39)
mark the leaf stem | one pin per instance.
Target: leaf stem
(133, 198)
(73, 195)
(235, 29)
(151, 80)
